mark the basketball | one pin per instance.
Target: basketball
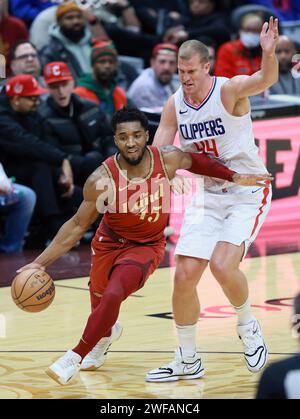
(33, 290)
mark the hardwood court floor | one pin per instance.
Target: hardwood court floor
(29, 342)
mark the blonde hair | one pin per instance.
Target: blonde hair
(193, 47)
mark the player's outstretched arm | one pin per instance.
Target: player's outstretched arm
(252, 179)
(203, 165)
(167, 128)
(244, 86)
(197, 163)
(73, 230)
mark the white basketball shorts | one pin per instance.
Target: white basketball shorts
(230, 217)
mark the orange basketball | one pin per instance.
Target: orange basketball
(33, 290)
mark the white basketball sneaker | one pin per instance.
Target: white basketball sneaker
(255, 350)
(96, 357)
(65, 368)
(180, 368)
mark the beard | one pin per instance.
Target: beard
(165, 78)
(134, 162)
(106, 77)
(75, 35)
(285, 67)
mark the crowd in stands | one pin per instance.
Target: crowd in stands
(70, 66)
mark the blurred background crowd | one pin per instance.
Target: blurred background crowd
(70, 65)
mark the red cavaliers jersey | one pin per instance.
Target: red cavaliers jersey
(141, 206)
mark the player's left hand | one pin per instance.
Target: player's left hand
(269, 36)
(252, 179)
(32, 265)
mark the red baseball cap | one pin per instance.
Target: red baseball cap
(164, 48)
(57, 71)
(23, 85)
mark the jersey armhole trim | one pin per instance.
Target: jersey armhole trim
(161, 157)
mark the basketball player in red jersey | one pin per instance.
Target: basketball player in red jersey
(133, 188)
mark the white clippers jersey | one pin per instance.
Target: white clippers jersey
(209, 128)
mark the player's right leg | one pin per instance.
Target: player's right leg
(186, 308)
(124, 280)
(97, 356)
(145, 257)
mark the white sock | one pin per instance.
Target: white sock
(187, 339)
(244, 312)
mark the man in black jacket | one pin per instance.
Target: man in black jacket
(27, 156)
(74, 125)
(72, 39)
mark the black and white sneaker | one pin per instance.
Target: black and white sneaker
(255, 350)
(180, 368)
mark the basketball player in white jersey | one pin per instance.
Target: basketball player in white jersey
(212, 115)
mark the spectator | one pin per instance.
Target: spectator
(157, 83)
(287, 84)
(241, 56)
(281, 380)
(17, 205)
(76, 126)
(25, 60)
(118, 12)
(26, 155)
(100, 86)
(203, 19)
(29, 9)
(157, 16)
(71, 39)
(39, 36)
(12, 30)
(123, 27)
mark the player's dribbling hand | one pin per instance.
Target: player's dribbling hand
(252, 179)
(31, 266)
(269, 36)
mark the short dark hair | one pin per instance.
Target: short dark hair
(16, 46)
(129, 115)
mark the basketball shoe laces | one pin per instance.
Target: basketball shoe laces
(101, 347)
(249, 339)
(68, 361)
(177, 362)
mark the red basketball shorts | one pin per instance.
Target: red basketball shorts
(108, 253)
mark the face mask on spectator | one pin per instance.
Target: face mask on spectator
(249, 39)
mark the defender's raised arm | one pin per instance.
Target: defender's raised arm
(244, 86)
